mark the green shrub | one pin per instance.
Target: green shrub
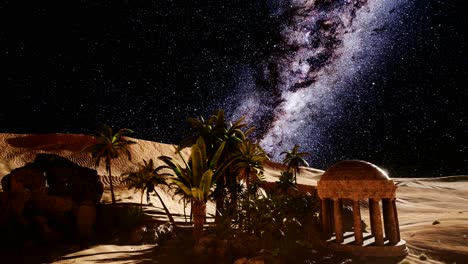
(282, 222)
(286, 181)
(129, 217)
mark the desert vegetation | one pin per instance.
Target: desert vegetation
(52, 200)
(252, 221)
(224, 168)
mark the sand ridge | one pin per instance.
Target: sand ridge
(19, 149)
(433, 212)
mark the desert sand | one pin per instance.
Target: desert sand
(433, 212)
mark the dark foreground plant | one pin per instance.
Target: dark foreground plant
(195, 179)
(286, 181)
(294, 159)
(130, 217)
(108, 145)
(281, 224)
(145, 180)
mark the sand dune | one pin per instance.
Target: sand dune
(433, 212)
(433, 216)
(19, 149)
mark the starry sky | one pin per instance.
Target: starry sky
(383, 81)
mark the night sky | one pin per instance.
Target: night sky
(382, 81)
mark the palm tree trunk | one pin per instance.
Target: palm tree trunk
(191, 211)
(169, 215)
(219, 211)
(199, 213)
(185, 211)
(111, 183)
(114, 204)
(141, 199)
(234, 194)
(248, 195)
(295, 176)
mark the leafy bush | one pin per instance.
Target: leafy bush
(158, 233)
(129, 217)
(282, 222)
(286, 181)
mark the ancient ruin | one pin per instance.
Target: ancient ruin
(49, 199)
(355, 182)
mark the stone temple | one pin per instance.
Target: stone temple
(360, 183)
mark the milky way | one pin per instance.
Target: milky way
(379, 80)
(326, 46)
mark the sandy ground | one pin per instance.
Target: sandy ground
(433, 212)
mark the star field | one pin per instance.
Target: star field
(382, 81)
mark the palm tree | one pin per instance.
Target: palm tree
(233, 134)
(215, 131)
(146, 179)
(249, 160)
(201, 128)
(235, 138)
(293, 159)
(108, 145)
(195, 178)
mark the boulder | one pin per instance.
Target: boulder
(241, 261)
(52, 204)
(85, 217)
(137, 235)
(256, 260)
(51, 193)
(4, 209)
(45, 231)
(28, 177)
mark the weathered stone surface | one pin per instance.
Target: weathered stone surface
(241, 261)
(137, 235)
(50, 204)
(199, 250)
(28, 177)
(68, 179)
(256, 260)
(85, 219)
(207, 241)
(355, 180)
(222, 248)
(211, 246)
(4, 209)
(51, 194)
(45, 231)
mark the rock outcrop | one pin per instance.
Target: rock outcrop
(50, 198)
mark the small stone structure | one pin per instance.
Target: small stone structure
(50, 197)
(355, 181)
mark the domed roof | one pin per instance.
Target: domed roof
(354, 170)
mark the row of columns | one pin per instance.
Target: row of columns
(332, 220)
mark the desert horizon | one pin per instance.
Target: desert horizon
(433, 212)
(307, 131)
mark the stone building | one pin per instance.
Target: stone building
(357, 182)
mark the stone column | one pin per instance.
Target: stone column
(386, 220)
(397, 224)
(326, 217)
(376, 221)
(337, 211)
(391, 231)
(357, 223)
(371, 219)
